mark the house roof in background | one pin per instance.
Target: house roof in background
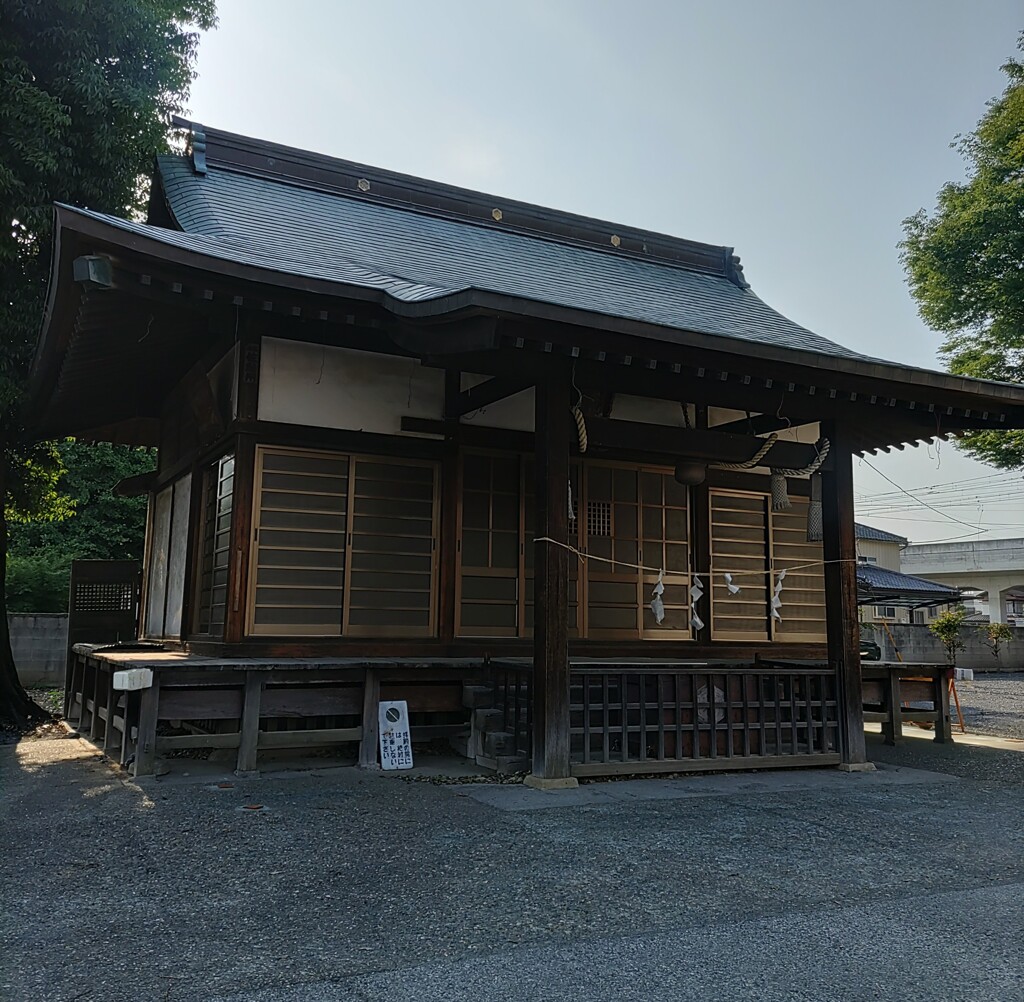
(878, 535)
(879, 585)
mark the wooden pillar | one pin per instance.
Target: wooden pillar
(449, 513)
(240, 539)
(700, 502)
(551, 586)
(840, 550)
(249, 727)
(371, 725)
(245, 473)
(145, 745)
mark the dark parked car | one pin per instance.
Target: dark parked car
(870, 651)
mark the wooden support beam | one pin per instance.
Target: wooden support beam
(249, 728)
(145, 746)
(494, 389)
(841, 624)
(694, 443)
(371, 726)
(758, 424)
(649, 442)
(551, 587)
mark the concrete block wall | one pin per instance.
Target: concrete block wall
(40, 644)
(917, 643)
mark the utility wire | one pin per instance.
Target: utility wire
(917, 499)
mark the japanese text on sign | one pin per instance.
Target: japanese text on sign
(395, 743)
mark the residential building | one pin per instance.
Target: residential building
(991, 571)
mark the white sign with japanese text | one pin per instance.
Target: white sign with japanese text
(395, 743)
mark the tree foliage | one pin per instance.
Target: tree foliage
(964, 262)
(948, 627)
(96, 524)
(87, 90)
(994, 635)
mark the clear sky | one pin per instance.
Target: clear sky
(801, 132)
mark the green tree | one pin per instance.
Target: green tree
(964, 261)
(994, 635)
(948, 628)
(102, 526)
(87, 91)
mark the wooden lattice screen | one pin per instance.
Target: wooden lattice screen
(103, 603)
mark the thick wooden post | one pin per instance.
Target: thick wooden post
(244, 486)
(249, 727)
(840, 547)
(145, 745)
(449, 513)
(371, 725)
(551, 587)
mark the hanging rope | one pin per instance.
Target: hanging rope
(815, 518)
(754, 459)
(778, 487)
(814, 466)
(581, 427)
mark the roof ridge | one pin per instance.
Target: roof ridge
(334, 175)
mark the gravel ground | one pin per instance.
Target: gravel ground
(899, 884)
(993, 704)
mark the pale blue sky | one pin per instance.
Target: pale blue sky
(799, 132)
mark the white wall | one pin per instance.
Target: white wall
(326, 387)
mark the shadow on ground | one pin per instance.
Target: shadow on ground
(348, 885)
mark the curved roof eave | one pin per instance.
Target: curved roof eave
(221, 258)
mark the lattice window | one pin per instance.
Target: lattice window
(490, 546)
(213, 570)
(599, 518)
(803, 594)
(344, 545)
(104, 597)
(739, 546)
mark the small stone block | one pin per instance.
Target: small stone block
(477, 697)
(133, 678)
(856, 767)
(544, 783)
(487, 721)
(499, 743)
(505, 765)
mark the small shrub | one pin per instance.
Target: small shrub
(995, 635)
(947, 628)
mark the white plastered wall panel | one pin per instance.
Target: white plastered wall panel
(168, 549)
(649, 410)
(177, 555)
(325, 387)
(806, 433)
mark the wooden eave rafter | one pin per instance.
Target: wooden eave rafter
(502, 336)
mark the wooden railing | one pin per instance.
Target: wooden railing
(639, 718)
(512, 685)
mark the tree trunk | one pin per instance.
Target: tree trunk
(15, 706)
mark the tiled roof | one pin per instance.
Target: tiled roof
(880, 581)
(415, 256)
(878, 535)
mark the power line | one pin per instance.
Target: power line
(917, 499)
